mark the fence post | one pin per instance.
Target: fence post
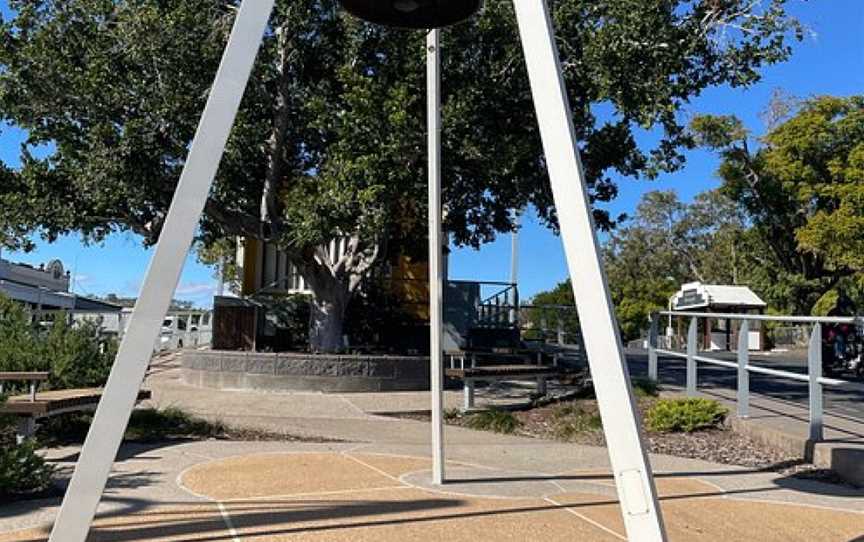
(691, 358)
(814, 370)
(652, 347)
(743, 373)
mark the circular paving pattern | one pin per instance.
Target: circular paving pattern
(334, 496)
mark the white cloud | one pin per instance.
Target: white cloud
(196, 289)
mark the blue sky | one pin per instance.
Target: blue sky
(829, 61)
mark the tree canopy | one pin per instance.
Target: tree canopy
(330, 137)
(801, 189)
(668, 243)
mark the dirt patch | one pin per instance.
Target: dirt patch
(578, 421)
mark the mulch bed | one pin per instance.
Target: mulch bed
(719, 445)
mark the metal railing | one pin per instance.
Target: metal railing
(742, 365)
(501, 309)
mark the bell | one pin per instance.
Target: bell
(413, 13)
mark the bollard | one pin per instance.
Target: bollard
(814, 371)
(691, 358)
(652, 347)
(743, 373)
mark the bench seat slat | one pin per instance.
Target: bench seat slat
(23, 376)
(502, 370)
(57, 400)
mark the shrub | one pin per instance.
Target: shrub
(570, 420)
(22, 470)
(687, 415)
(171, 423)
(643, 387)
(76, 355)
(497, 420)
(145, 425)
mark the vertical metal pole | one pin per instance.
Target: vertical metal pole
(514, 270)
(634, 481)
(814, 370)
(652, 347)
(436, 281)
(743, 373)
(112, 415)
(691, 358)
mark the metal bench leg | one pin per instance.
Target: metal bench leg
(541, 385)
(26, 429)
(469, 395)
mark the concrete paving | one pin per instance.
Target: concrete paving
(377, 487)
(779, 412)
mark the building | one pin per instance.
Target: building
(473, 311)
(45, 290)
(718, 334)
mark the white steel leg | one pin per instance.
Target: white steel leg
(436, 278)
(633, 476)
(106, 433)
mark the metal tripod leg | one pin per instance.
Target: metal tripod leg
(630, 465)
(112, 415)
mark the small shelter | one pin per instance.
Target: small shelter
(718, 334)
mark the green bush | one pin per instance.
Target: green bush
(76, 356)
(22, 470)
(570, 420)
(687, 415)
(497, 420)
(643, 387)
(145, 425)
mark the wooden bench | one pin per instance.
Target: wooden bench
(464, 366)
(30, 407)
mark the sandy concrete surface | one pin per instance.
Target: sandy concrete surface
(376, 484)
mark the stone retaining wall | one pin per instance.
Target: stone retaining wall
(304, 372)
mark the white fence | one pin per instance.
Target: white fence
(813, 377)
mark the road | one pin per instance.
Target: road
(846, 401)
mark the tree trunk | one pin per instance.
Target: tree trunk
(327, 318)
(333, 279)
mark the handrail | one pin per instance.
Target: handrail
(766, 317)
(801, 377)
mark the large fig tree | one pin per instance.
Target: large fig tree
(330, 138)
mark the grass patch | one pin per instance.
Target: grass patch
(497, 420)
(571, 419)
(145, 425)
(451, 414)
(643, 387)
(171, 423)
(685, 415)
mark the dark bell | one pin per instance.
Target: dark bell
(413, 13)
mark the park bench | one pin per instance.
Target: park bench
(36, 405)
(507, 365)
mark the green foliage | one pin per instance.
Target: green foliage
(74, 355)
(570, 420)
(802, 191)
(451, 414)
(549, 310)
(685, 415)
(668, 243)
(170, 423)
(292, 314)
(644, 388)
(22, 470)
(330, 136)
(145, 425)
(494, 419)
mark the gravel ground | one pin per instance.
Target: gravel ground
(719, 445)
